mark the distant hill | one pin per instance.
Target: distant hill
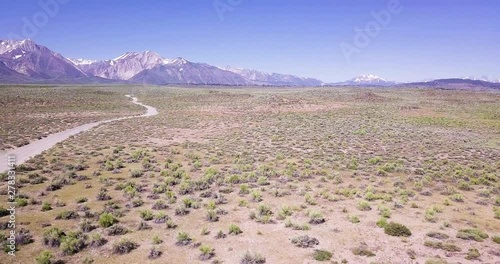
(455, 83)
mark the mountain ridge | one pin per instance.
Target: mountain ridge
(26, 61)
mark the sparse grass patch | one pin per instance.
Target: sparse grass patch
(473, 254)
(207, 252)
(254, 258)
(444, 246)
(438, 235)
(472, 234)
(322, 255)
(362, 251)
(234, 230)
(183, 239)
(364, 206)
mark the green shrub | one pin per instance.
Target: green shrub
(472, 254)
(444, 246)
(146, 215)
(139, 202)
(46, 206)
(395, 229)
(264, 210)
(220, 235)
(431, 215)
(157, 240)
(244, 189)
(436, 261)
(309, 199)
(322, 255)
(45, 257)
(207, 252)
(496, 239)
(212, 216)
(437, 235)
(262, 181)
(472, 234)
(384, 211)
(4, 212)
(170, 224)
(107, 220)
(364, 206)
(316, 218)
(96, 240)
(124, 246)
(21, 202)
(86, 226)
(256, 196)
(205, 231)
(234, 229)
(183, 239)
(73, 243)
(374, 160)
(362, 251)
(66, 215)
(284, 212)
(382, 222)
(457, 197)
(388, 167)
(136, 173)
(354, 219)
(52, 237)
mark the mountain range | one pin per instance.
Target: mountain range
(28, 62)
(365, 80)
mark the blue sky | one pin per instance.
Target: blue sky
(424, 39)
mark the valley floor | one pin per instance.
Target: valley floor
(292, 175)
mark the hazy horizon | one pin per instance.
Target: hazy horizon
(419, 41)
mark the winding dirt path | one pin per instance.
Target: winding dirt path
(24, 153)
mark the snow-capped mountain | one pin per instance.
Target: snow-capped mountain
(8, 75)
(124, 67)
(263, 78)
(36, 61)
(180, 71)
(364, 80)
(81, 61)
(23, 61)
(369, 79)
(482, 78)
